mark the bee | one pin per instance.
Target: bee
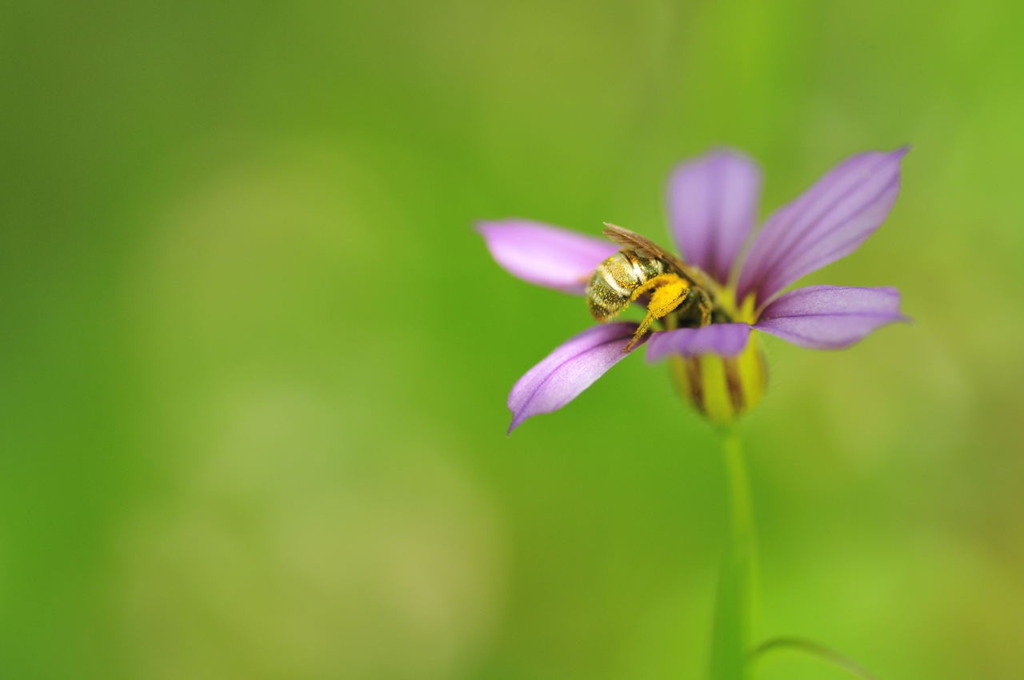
(644, 272)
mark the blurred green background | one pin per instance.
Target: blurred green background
(255, 360)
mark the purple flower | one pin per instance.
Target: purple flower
(712, 205)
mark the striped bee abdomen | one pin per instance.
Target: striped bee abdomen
(616, 279)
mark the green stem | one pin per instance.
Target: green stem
(742, 508)
(731, 635)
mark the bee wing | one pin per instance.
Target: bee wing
(621, 236)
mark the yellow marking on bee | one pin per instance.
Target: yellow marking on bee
(667, 292)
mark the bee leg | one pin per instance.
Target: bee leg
(704, 307)
(667, 291)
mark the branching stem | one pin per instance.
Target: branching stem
(815, 649)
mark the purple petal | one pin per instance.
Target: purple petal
(726, 339)
(570, 369)
(712, 204)
(545, 255)
(829, 221)
(830, 317)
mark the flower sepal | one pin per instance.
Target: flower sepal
(722, 388)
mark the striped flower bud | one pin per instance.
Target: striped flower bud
(722, 388)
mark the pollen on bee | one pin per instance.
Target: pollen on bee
(667, 292)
